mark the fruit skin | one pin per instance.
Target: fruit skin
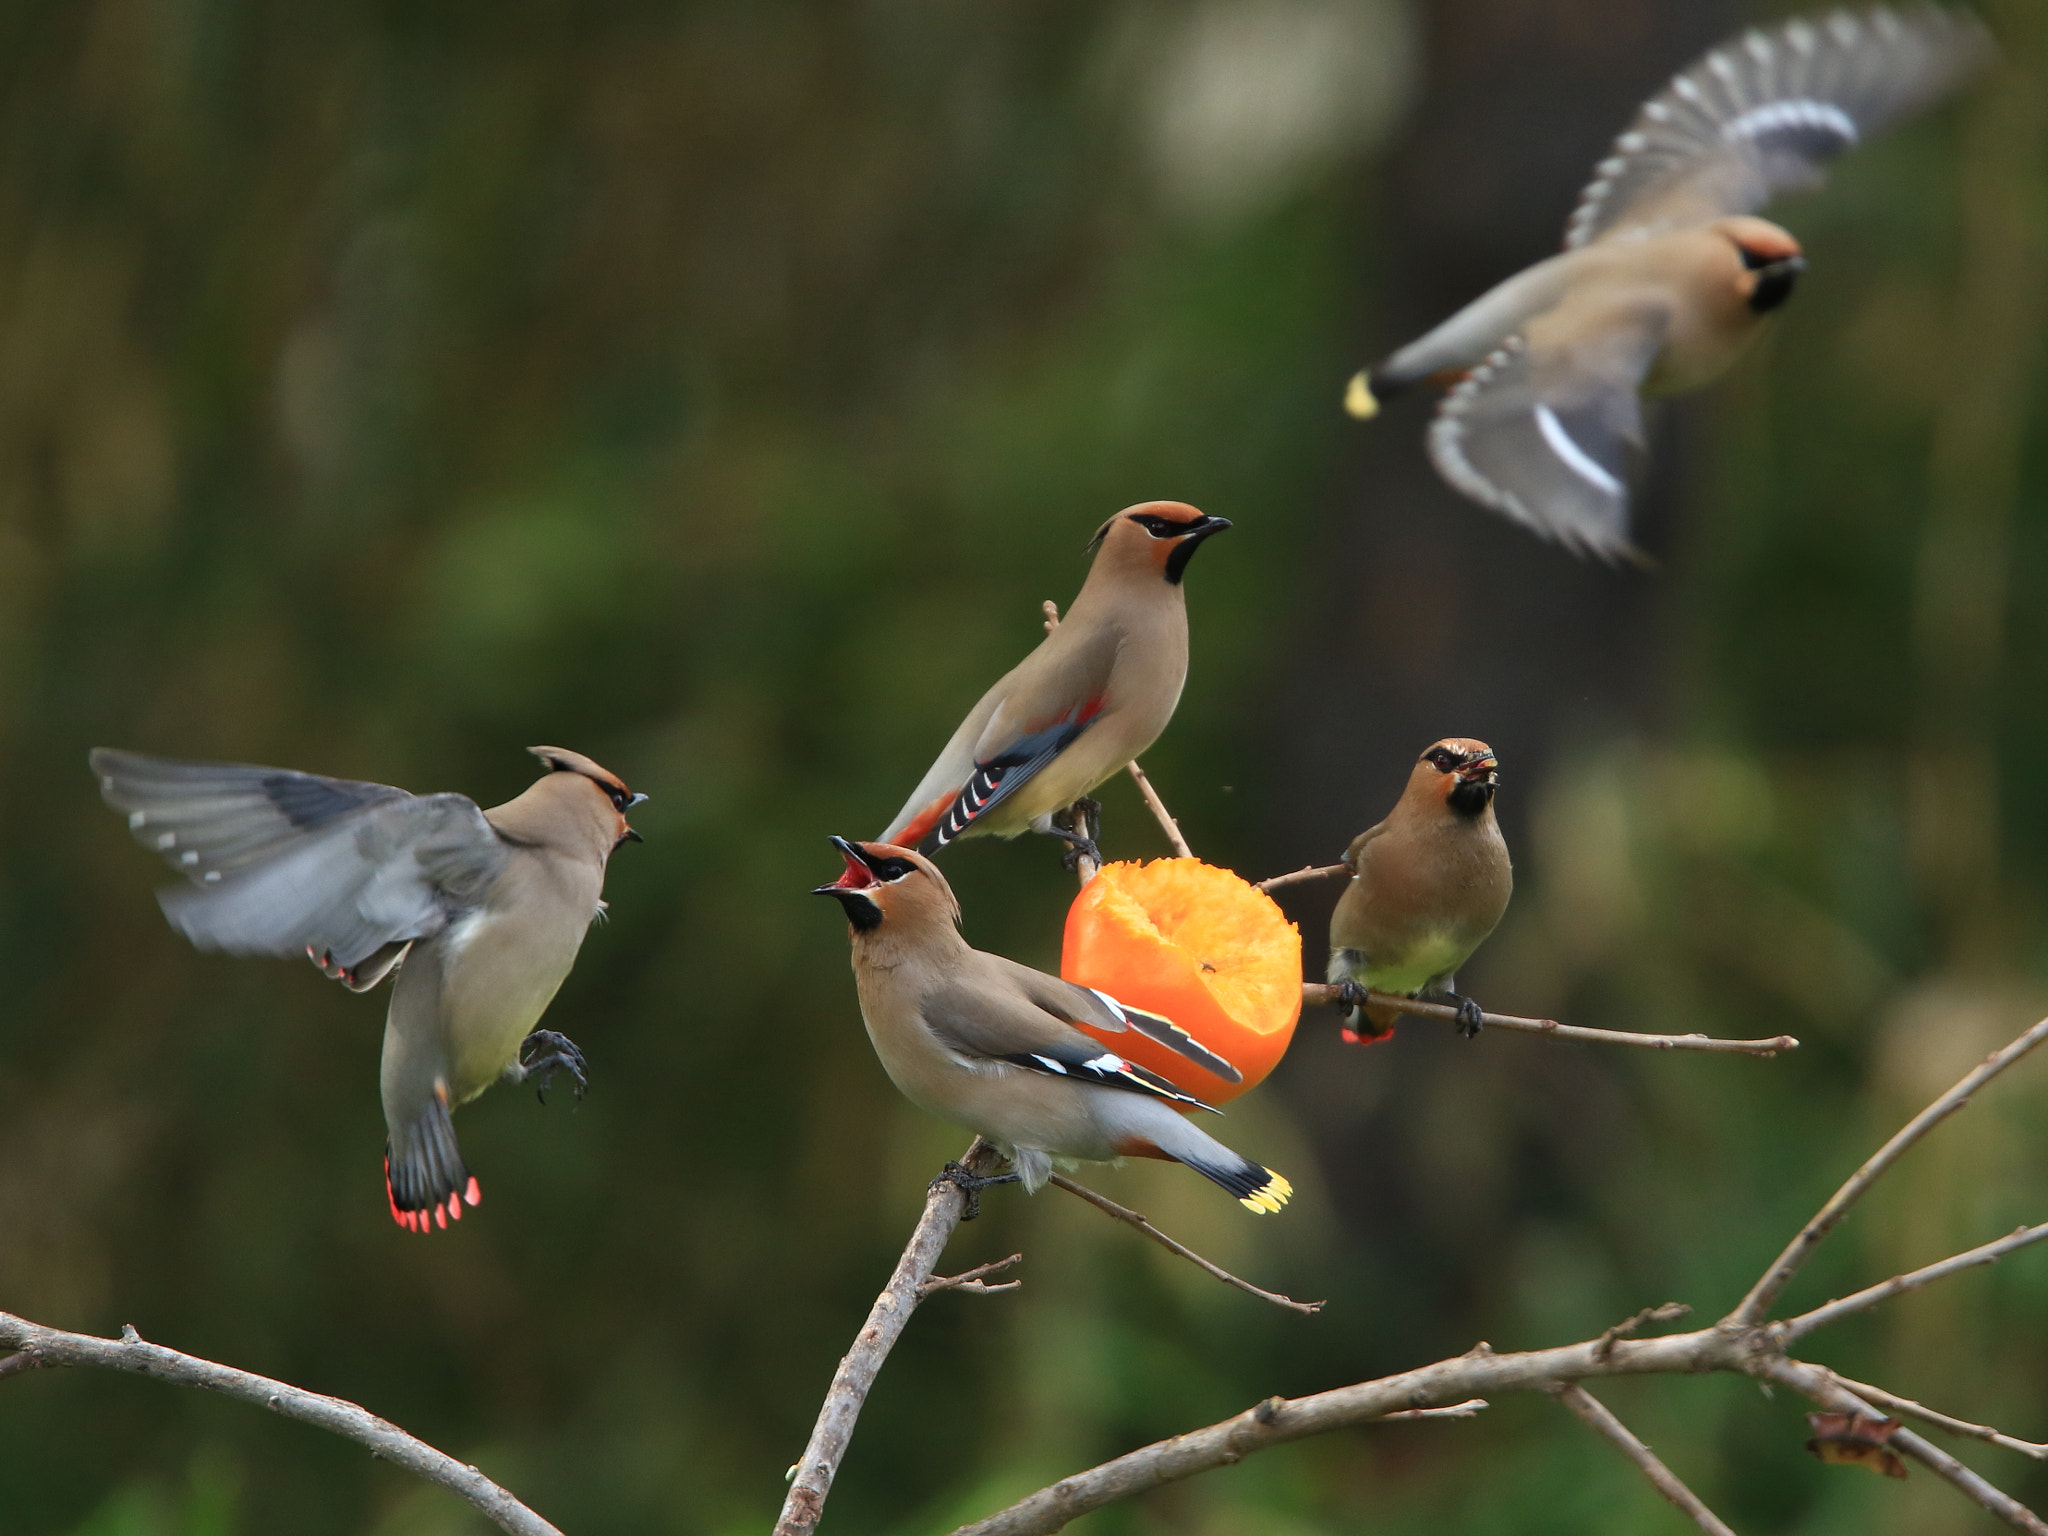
(1114, 942)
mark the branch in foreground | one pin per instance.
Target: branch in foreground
(1125, 1213)
(1891, 1402)
(1662, 1478)
(1773, 1280)
(811, 1479)
(1735, 1344)
(1314, 992)
(53, 1347)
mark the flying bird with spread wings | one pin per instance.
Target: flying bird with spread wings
(1667, 274)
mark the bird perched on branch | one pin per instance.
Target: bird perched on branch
(991, 1045)
(1096, 693)
(479, 912)
(1427, 886)
(1666, 275)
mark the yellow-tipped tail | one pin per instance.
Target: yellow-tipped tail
(1359, 400)
(1267, 1199)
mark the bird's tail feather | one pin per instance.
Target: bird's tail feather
(424, 1176)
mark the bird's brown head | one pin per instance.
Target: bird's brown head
(1460, 773)
(1154, 537)
(1771, 260)
(887, 884)
(613, 788)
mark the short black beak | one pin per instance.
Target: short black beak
(632, 837)
(1185, 546)
(1774, 283)
(636, 800)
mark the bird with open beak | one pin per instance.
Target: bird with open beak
(1427, 886)
(480, 913)
(1094, 695)
(991, 1045)
(1667, 275)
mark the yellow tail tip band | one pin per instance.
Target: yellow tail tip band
(1358, 397)
(1268, 1200)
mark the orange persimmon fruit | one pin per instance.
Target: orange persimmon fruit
(1195, 944)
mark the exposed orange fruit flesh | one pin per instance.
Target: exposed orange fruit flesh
(1200, 946)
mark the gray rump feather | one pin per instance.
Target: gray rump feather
(280, 862)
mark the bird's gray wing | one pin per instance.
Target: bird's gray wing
(1075, 1004)
(1547, 431)
(993, 1023)
(281, 862)
(1767, 111)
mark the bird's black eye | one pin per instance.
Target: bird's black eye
(1160, 527)
(889, 871)
(1752, 260)
(1443, 759)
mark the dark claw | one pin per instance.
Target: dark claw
(971, 1185)
(1083, 819)
(1350, 996)
(1079, 848)
(546, 1053)
(1471, 1018)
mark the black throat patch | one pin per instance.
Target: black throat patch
(1469, 797)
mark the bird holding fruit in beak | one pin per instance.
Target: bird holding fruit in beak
(479, 912)
(1667, 275)
(1427, 886)
(992, 1045)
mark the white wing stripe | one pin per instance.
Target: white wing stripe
(1576, 458)
(1804, 113)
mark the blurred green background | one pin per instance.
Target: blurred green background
(717, 388)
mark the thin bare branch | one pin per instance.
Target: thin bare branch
(1870, 1296)
(812, 1482)
(1306, 872)
(1757, 1304)
(1892, 1403)
(1670, 1312)
(1662, 1478)
(1469, 1409)
(1126, 1214)
(972, 1280)
(1314, 992)
(1277, 1421)
(1822, 1386)
(130, 1352)
(1158, 806)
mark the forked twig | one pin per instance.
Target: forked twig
(1314, 992)
(1773, 1280)
(1662, 1478)
(1819, 1384)
(1125, 1214)
(811, 1478)
(973, 1281)
(1670, 1312)
(131, 1352)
